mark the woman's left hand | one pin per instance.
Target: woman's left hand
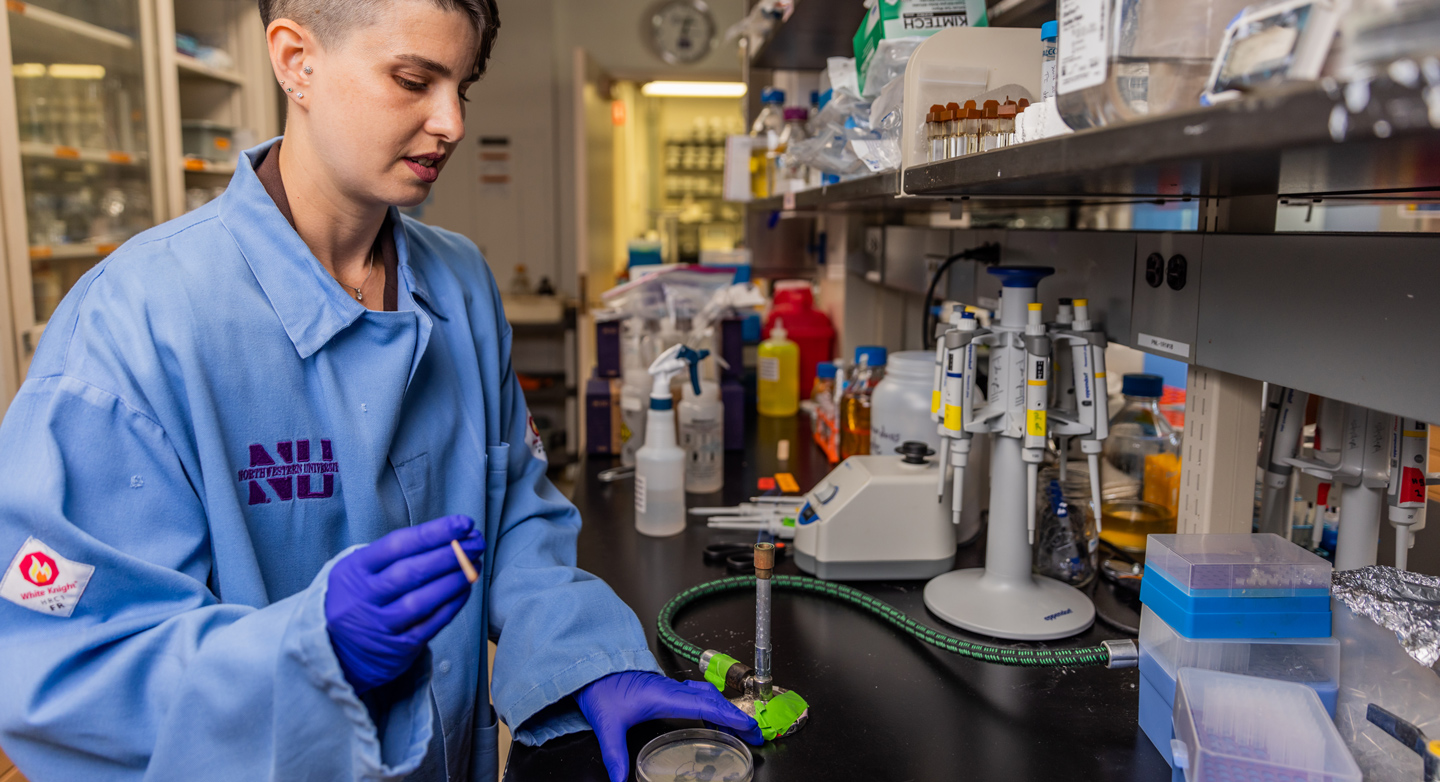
(621, 701)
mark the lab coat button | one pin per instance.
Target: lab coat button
(444, 666)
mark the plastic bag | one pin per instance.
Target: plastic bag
(888, 63)
(673, 294)
(829, 153)
(842, 75)
(828, 148)
(879, 150)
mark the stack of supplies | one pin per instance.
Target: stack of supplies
(1257, 605)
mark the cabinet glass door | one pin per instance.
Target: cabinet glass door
(85, 142)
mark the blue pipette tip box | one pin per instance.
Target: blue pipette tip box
(1202, 616)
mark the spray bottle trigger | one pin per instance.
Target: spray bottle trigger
(693, 359)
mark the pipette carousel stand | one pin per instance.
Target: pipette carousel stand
(1005, 599)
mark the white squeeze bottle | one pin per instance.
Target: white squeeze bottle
(660, 463)
(702, 435)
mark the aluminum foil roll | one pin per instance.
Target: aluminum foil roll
(1405, 603)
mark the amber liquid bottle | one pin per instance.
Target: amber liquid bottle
(855, 405)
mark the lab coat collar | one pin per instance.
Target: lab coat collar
(311, 307)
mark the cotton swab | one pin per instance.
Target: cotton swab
(469, 569)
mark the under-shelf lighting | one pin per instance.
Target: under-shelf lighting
(63, 70)
(693, 89)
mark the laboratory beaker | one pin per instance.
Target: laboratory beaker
(1157, 57)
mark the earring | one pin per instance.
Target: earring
(299, 94)
(289, 89)
(282, 82)
(309, 70)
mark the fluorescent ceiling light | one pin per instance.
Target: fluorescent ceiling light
(28, 70)
(693, 89)
(75, 71)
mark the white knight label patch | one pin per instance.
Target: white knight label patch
(41, 580)
(532, 438)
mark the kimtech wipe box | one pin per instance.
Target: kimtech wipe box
(891, 19)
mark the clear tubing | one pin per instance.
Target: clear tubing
(762, 638)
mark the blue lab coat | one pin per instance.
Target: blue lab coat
(210, 422)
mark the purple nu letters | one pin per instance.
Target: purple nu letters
(294, 472)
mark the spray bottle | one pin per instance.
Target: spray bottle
(660, 464)
(702, 435)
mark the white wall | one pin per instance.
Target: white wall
(528, 95)
(514, 100)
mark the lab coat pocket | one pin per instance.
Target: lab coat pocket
(486, 760)
(415, 480)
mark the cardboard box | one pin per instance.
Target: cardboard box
(890, 19)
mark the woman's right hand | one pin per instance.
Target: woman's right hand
(384, 602)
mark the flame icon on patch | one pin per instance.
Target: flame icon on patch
(39, 569)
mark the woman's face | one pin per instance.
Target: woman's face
(386, 105)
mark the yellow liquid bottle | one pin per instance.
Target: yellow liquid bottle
(1146, 449)
(779, 386)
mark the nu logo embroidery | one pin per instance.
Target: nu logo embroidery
(290, 479)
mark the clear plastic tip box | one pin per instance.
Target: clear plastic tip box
(1314, 662)
(1240, 565)
(1236, 586)
(1231, 727)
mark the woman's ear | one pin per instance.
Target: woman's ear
(290, 44)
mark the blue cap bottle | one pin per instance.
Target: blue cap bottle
(1152, 386)
(874, 356)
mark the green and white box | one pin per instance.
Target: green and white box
(889, 19)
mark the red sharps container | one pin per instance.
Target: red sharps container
(808, 327)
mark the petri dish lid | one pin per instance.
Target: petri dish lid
(695, 754)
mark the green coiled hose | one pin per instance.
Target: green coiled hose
(1003, 655)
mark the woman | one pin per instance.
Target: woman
(248, 440)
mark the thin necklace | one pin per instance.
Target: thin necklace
(358, 295)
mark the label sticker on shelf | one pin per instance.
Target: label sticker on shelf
(1173, 347)
(1082, 45)
(789, 202)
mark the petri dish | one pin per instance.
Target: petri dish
(695, 755)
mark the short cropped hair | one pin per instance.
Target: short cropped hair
(329, 20)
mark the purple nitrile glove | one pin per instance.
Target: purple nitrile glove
(620, 701)
(384, 602)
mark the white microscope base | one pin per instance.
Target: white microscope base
(1036, 609)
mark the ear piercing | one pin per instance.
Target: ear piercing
(308, 70)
